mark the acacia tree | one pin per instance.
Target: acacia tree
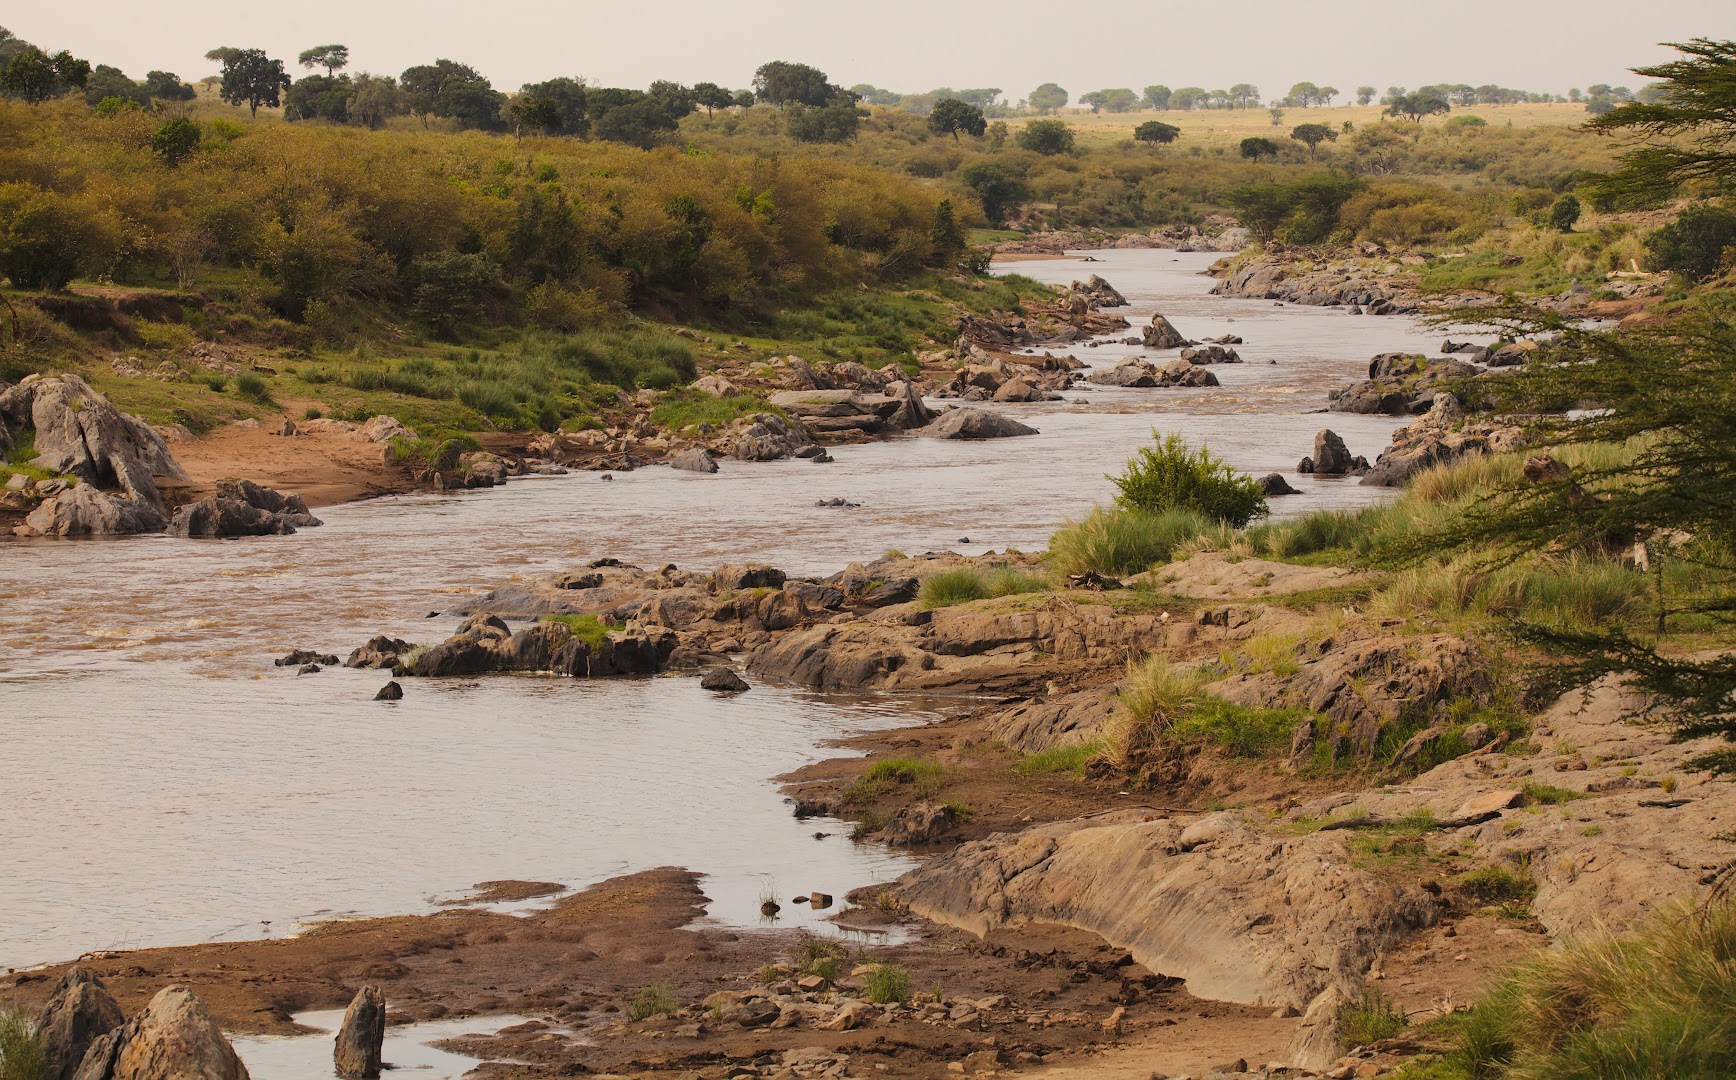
(1047, 137)
(1689, 129)
(783, 83)
(1047, 98)
(34, 76)
(1157, 97)
(1418, 105)
(1258, 147)
(951, 116)
(1155, 132)
(709, 96)
(1365, 94)
(253, 79)
(333, 58)
(1313, 135)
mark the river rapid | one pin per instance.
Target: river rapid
(165, 784)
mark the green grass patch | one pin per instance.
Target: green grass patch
(1548, 794)
(909, 775)
(655, 1000)
(1372, 1019)
(1497, 884)
(1242, 730)
(591, 630)
(22, 1053)
(1059, 759)
(887, 983)
(1117, 543)
(679, 410)
(951, 587)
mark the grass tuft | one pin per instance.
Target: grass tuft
(655, 1000)
(888, 983)
(921, 778)
(951, 587)
(22, 1054)
(1373, 1019)
(1059, 759)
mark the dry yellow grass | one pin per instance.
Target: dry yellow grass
(1227, 127)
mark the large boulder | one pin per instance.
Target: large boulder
(1439, 437)
(694, 459)
(356, 1055)
(1130, 372)
(1399, 384)
(1098, 293)
(976, 424)
(1331, 456)
(78, 1012)
(770, 437)
(242, 508)
(1162, 334)
(174, 1038)
(79, 432)
(82, 510)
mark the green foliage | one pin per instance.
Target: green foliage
(1683, 136)
(176, 140)
(22, 1053)
(34, 76)
(1418, 105)
(887, 983)
(951, 116)
(252, 78)
(1047, 98)
(1372, 1019)
(1060, 759)
(998, 185)
(1242, 730)
(1301, 211)
(1156, 132)
(46, 238)
(1046, 137)
(1548, 794)
(1255, 147)
(1121, 542)
(1654, 1004)
(1313, 135)
(1697, 244)
(1011, 581)
(649, 1001)
(679, 410)
(589, 629)
(1564, 214)
(952, 587)
(253, 388)
(1171, 477)
(916, 777)
(1496, 884)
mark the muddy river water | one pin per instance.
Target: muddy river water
(164, 783)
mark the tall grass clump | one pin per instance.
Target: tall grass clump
(1655, 1004)
(888, 983)
(22, 1055)
(951, 587)
(1058, 759)
(678, 410)
(591, 630)
(649, 1001)
(1572, 590)
(1121, 542)
(1011, 581)
(1169, 476)
(1154, 698)
(1372, 1019)
(253, 388)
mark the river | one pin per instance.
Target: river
(165, 784)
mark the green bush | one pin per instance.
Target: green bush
(1171, 477)
(253, 388)
(1496, 884)
(1696, 245)
(22, 1055)
(649, 1001)
(1011, 581)
(1121, 542)
(952, 587)
(888, 983)
(1655, 1004)
(594, 632)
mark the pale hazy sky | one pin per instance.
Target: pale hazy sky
(909, 46)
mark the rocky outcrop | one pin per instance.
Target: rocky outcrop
(1210, 354)
(715, 386)
(242, 508)
(1317, 286)
(356, 1054)
(845, 413)
(723, 680)
(968, 423)
(174, 1038)
(79, 433)
(1331, 457)
(1440, 437)
(1238, 914)
(772, 438)
(1136, 373)
(83, 511)
(1097, 292)
(78, 1012)
(1274, 484)
(485, 644)
(1162, 334)
(1399, 384)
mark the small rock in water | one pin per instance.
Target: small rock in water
(390, 692)
(362, 1036)
(305, 656)
(1275, 484)
(770, 908)
(819, 900)
(309, 669)
(964, 539)
(821, 835)
(724, 680)
(607, 476)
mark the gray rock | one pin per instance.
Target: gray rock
(82, 510)
(693, 460)
(970, 423)
(78, 431)
(392, 691)
(749, 576)
(1331, 456)
(242, 508)
(356, 1056)
(174, 1038)
(1162, 334)
(724, 680)
(79, 1011)
(1274, 484)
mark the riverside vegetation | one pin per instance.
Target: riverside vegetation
(1277, 685)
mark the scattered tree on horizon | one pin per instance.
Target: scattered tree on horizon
(333, 58)
(1365, 95)
(951, 116)
(780, 82)
(1418, 105)
(253, 79)
(34, 76)
(1047, 98)
(1257, 147)
(1157, 97)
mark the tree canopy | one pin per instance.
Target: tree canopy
(951, 116)
(781, 82)
(252, 79)
(1689, 129)
(1048, 137)
(1417, 105)
(1154, 132)
(1047, 98)
(1313, 135)
(32, 75)
(333, 58)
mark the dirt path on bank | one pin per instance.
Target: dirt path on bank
(325, 469)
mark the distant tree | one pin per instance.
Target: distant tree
(253, 79)
(1325, 95)
(1097, 99)
(541, 115)
(1245, 96)
(869, 94)
(456, 91)
(997, 135)
(951, 116)
(1154, 132)
(176, 140)
(1157, 97)
(1304, 95)
(376, 99)
(1120, 100)
(1575, 96)
(1313, 135)
(981, 96)
(1258, 147)
(571, 104)
(835, 123)
(744, 99)
(1047, 98)
(628, 116)
(998, 185)
(222, 54)
(1277, 116)
(167, 86)
(1188, 98)
(34, 76)
(319, 97)
(1564, 213)
(333, 58)
(945, 234)
(1418, 105)
(675, 99)
(1365, 94)
(709, 96)
(1047, 137)
(1697, 244)
(783, 83)
(107, 83)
